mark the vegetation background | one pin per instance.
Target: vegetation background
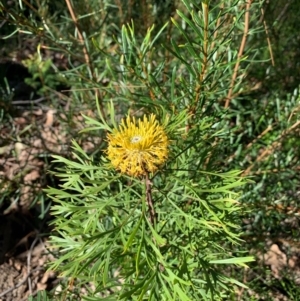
(57, 57)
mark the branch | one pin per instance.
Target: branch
(241, 50)
(152, 212)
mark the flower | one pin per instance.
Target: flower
(138, 147)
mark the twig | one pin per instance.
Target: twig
(241, 50)
(268, 129)
(149, 200)
(2, 23)
(268, 37)
(121, 15)
(283, 11)
(29, 272)
(274, 145)
(86, 53)
(29, 262)
(20, 283)
(240, 293)
(30, 6)
(275, 170)
(81, 39)
(23, 102)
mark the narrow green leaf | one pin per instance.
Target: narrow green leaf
(132, 235)
(235, 260)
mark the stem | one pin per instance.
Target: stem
(81, 38)
(205, 44)
(152, 212)
(193, 108)
(268, 36)
(240, 54)
(85, 52)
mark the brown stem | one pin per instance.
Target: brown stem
(149, 200)
(81, 39)
(85, 52)
(30, 6)
(269, 149)
(241, 50)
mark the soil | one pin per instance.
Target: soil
(30, 132)
(28, 135)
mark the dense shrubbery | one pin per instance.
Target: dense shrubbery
(214, 74)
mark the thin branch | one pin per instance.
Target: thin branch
(268, 36)
(29, 272)
(85, 51)
(241, 51)
(2, 294)
(152, 212)
(268, 129)
(30, 6)
(29, 263)
(274, 145)
(23, 102)
(283, 11)
(81, 39)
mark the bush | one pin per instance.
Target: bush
(204, 71)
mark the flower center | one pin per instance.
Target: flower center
(135, 139)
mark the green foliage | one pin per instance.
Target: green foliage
(225, 108)
(41, 296)
(105, 230)
(43, 77)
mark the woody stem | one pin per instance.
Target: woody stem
(149, 200)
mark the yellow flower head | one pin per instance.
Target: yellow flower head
(138, 147)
